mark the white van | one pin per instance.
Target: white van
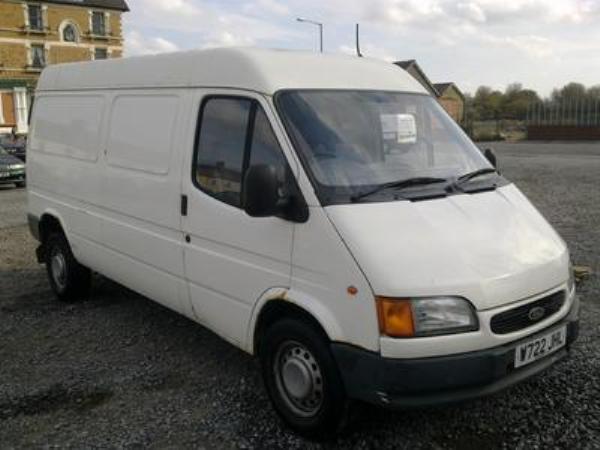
(322, 212)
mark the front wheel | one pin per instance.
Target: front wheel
(69, 280)
(302, 379)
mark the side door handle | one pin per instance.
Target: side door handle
(184, 205)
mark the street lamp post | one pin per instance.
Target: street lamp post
(320, 25)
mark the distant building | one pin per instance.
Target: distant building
(37, 33)
(448, 94)
(452, 99)
(417, 73)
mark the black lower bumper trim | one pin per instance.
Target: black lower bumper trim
(427, 381)
(12, 179)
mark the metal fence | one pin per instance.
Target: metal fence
(577, 112)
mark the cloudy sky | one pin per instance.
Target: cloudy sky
(541, 43)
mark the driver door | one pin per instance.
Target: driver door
(230, 258)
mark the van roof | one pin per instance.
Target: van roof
(261, 70)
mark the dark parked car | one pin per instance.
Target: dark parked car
(14, 146)
(12, 169)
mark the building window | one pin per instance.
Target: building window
(36, 21)
(98, 23)
(69, 33)
(38, 56)
(100, 53)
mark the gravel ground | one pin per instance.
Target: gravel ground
(121, 371)
(13, 206)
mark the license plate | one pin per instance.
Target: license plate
(540, 347)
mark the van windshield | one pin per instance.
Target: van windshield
(353, 141)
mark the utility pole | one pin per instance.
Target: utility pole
(320, 25)
(358, 41)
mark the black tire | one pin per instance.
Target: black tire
(21, 184)
(69, 280)
(331, 414)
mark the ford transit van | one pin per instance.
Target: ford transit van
(321, 212)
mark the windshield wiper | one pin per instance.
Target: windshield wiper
(475, 174)
(401, 184)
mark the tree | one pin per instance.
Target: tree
(487, 103)
(593, 93)
(517, 101)
(569, 92)
(513, 89)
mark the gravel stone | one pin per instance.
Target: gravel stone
(121, 371)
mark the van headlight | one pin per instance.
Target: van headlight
(429, 316)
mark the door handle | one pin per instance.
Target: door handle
(184, 205)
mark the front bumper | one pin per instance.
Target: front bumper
(12, 177)
(427, 381)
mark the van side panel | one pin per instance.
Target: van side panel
(141, 190)
(69, 126)
(121, 208)
(63, 164)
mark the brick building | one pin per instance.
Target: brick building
(452, 99)
(448, 94)
(34, 34)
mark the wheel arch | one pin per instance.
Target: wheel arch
(50, 221)
(277, 304)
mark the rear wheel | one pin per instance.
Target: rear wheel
(69, 280)
(302, 378)
(21, 184)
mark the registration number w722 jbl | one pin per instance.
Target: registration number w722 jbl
(540, 347)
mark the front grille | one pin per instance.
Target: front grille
(527, 315)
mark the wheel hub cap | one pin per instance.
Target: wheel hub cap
(296, 378)
(299, 379)
(59, 270)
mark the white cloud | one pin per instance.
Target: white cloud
(173, 6)
(401, 12)
(205, 24)
(534, 46)
(472, 11)
(494, 42)
(227, 39)
(276, 7)
(438, 13)
(137, 44)
(535, 11)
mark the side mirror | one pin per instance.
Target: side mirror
(491, 157)
(260, 192)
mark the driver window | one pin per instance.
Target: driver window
(234, 134)
(221, 146)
